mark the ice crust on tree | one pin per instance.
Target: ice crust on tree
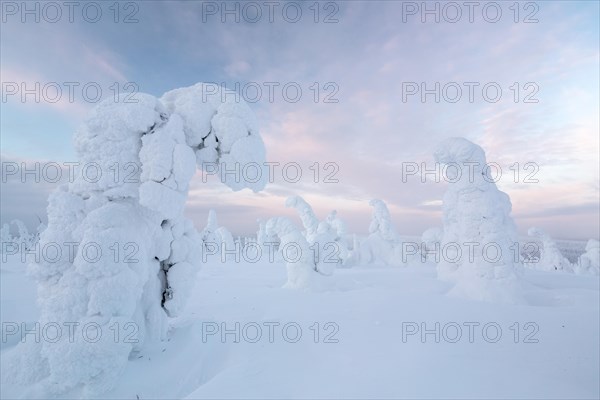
(551, 259)
(475, 211)
(144, 154)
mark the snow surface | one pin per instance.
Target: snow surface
(368, 305)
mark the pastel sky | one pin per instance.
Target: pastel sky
(364, 60)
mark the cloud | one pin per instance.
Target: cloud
(370, 131)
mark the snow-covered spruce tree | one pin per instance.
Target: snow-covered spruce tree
(354, 253)
(430, 240)
(226, 242)
(331, 249)
(5, 236)
(307, 216)
(337, 224)
(216, 238)
(25, 239)
(342, 239)
(476, 215)
(551, 259)
(129, 209)
(209, 233)
(261, 234)
(589, 262)
(383, 245)
(300, 259)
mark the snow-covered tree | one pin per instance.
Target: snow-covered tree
(551, 259)
(354, 252)
(5, 236)
(431, 240)
(589, 262)
(226, 240)
(307, 216)
(343, 240)
(477, 222)
(296, 252)
(337, 224)
(261, 234)
(208, 233)
(24, 239)
(129, 207)
(383, 245)
(214, 235)
(328, 236)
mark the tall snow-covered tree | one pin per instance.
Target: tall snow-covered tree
(477, 222)
(127, 205)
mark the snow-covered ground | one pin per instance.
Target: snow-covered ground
(359, 336)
